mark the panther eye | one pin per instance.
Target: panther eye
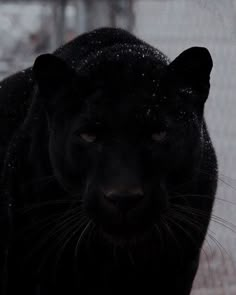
(88, 137)
(159, 136)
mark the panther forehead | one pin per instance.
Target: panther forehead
(136, 54)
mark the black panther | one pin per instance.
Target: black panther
(108, 171)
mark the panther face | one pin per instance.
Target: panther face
(123, 137)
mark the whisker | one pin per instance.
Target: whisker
(178, 196)
(214, 218)
(164, 222)
(81, 237)
(69, 227)
(220, 247)
(54, 230)
(189, 220)
(182, 228)
(198, 226)
(193, 240)
(218, 177)
(90, 233)
(216, 242)
(76, 252)
(42, 224)
(67, 237)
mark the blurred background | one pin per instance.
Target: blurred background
(29, 28)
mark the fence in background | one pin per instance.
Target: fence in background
(54, 23)
(40, 26)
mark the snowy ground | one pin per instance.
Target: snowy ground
(172, 26)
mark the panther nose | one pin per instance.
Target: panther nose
(125, 200)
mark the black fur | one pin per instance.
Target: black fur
(108, 171)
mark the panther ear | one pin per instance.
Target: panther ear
(191, 70)
(51, 74)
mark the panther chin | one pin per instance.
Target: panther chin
(126, 235)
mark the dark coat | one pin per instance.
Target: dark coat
(20, 114)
